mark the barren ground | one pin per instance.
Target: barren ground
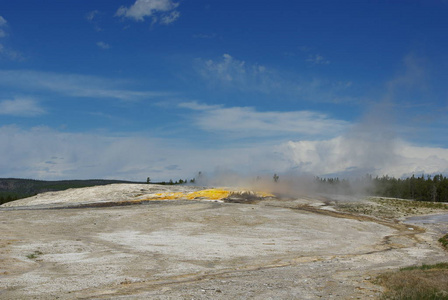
(301, 248)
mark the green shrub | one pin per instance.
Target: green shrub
(34, 255)
(444, 241)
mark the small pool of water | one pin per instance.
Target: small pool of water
(429, 219)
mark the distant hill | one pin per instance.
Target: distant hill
(13, 188)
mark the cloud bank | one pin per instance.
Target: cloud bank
(45, 153)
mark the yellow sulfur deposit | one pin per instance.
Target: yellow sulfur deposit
(210, 194)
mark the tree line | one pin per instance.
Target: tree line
(9, 197)
(423, 188)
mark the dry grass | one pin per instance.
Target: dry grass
(424, 282)
(411, 203)
(391, 208)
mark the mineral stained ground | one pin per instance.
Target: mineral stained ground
(87, 244)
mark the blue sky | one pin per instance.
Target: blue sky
(161, 88)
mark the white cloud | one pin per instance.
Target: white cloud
(72, 85)
(103, 45)
(25, 107)
(349, 156)
(247, 122)
(151, 8)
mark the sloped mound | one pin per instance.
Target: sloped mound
(128, 194)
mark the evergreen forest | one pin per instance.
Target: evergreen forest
(423, 188)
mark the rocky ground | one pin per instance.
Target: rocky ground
(90, 244)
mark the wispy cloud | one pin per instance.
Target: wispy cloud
(72, 85)
(411, 78)
(10, 54)
(91, 15)
(170, 18)
(317, 60)
(24, 107)
(5, 51)
(3, 23)
(231, 73)
(103, 45)
(413, 98)
(162, 11)
(232, 70)
(305, 48)
(204, 36)
(235, 73)
(248, 122)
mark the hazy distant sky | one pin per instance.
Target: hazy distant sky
(134, 88)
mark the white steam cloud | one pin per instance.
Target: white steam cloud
(372, 147)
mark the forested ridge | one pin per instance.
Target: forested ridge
(13, 188)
